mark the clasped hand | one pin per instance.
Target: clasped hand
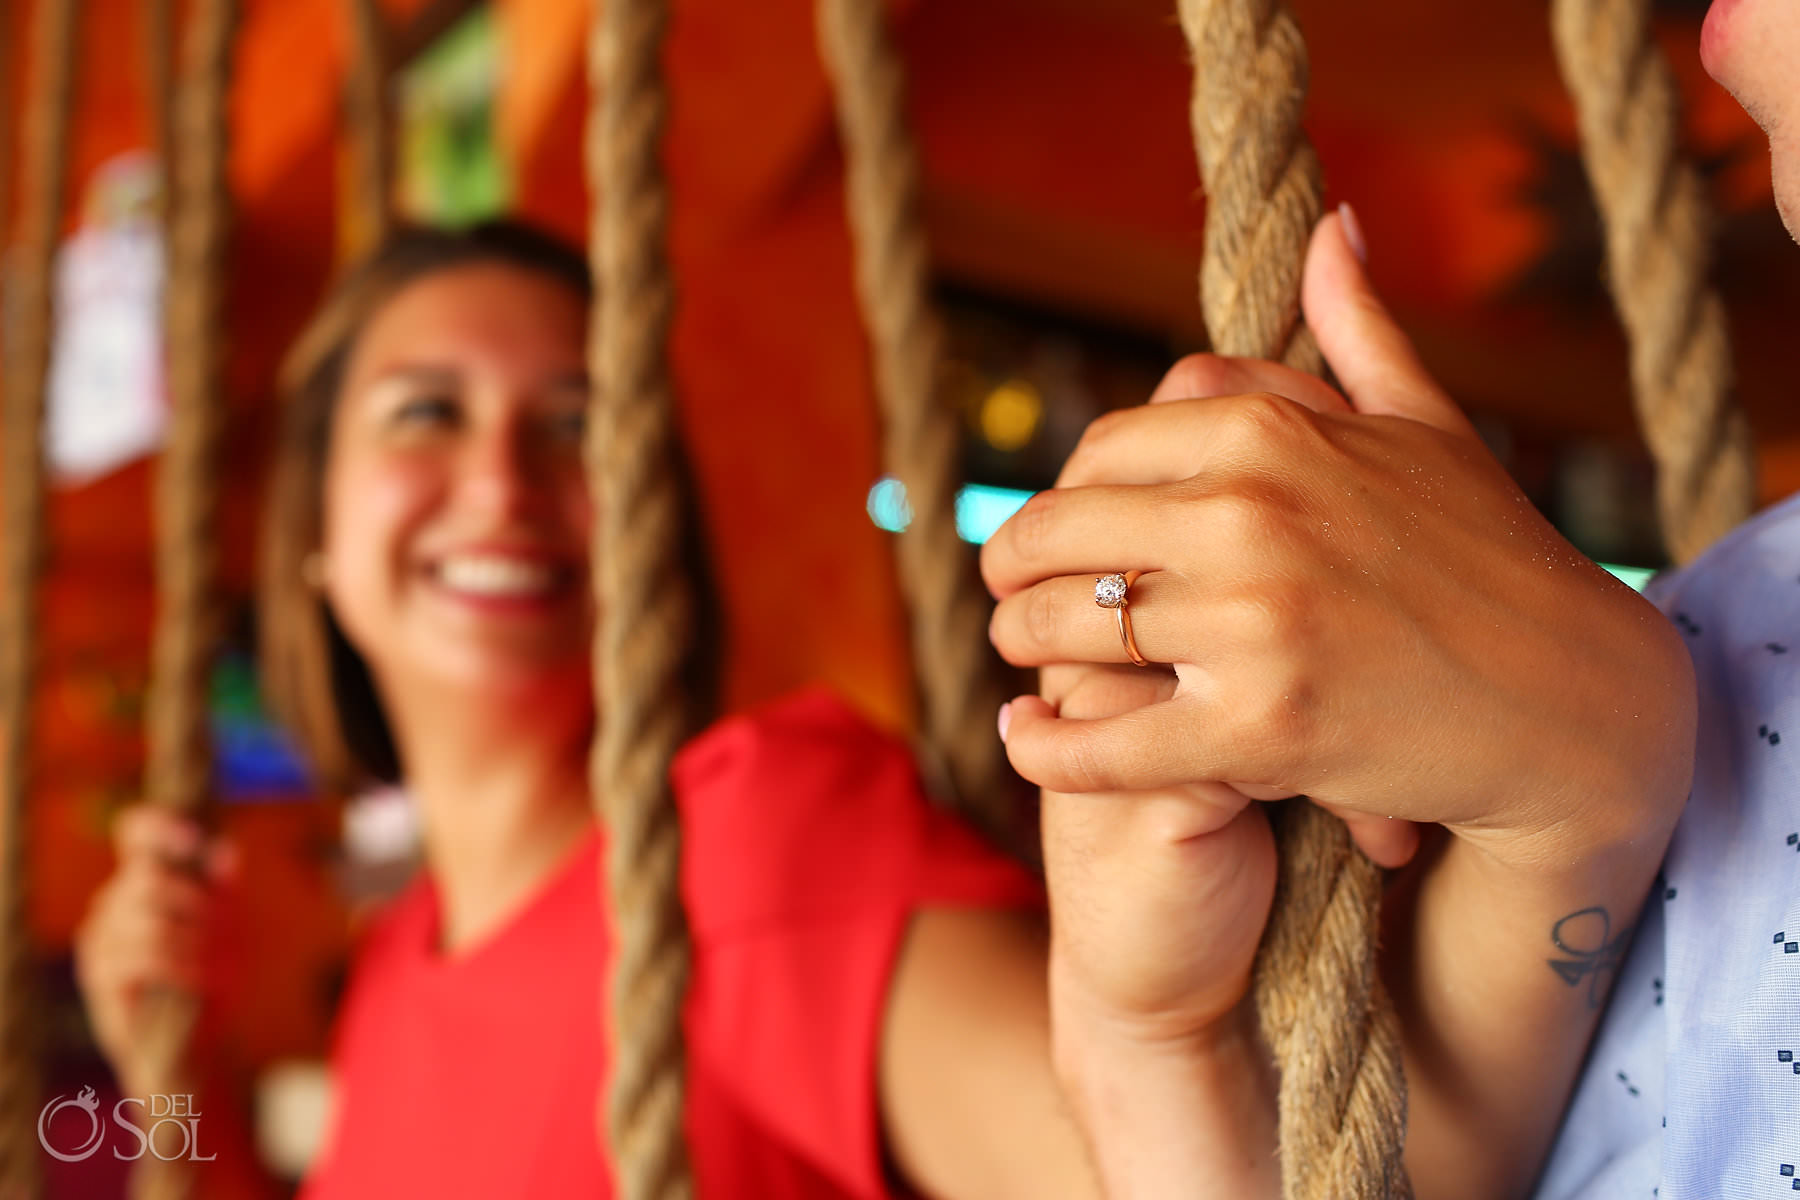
(1356, 604)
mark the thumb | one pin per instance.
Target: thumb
(1372, 357)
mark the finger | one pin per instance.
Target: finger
(1177, 439)
(147, 956)
(159, 967)
(1169, 817)
(1081, 531)
(1203, 376)
(1057, 621)
(1389, 842)
(1161, 746)
(148, 927)
(156, 887)
(1371, 355)
(151, 831)
(1087, 691)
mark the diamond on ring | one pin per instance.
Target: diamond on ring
(1110, 591)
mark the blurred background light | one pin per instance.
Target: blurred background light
(1011, 414)
(981, 509)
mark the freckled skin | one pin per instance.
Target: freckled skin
(1752, 47)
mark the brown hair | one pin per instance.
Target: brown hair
(313, 679)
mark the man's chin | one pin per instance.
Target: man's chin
(1785, 166)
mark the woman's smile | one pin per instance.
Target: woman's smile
(505, 581)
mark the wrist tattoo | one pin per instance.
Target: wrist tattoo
(1591, 953)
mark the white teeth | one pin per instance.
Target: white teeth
(491, 575)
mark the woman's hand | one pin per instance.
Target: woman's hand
(1157, 901)
(158, 922)
(1359, 606)
(1157, 898)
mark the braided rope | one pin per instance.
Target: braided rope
(29, 302)
(1263, 181)
(159, 26)
(646, 600)
(178, 773)
(959, 679)
(1325, 1013)
(7, 148)
(1659, 226)
(369, 112)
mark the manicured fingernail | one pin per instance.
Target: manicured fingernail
(1004, 719)
(1353, 232)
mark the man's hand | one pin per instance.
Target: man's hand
(1359, 606)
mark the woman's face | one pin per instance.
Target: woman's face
(1752, 47)
(456, 516)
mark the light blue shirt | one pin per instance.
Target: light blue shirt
(1692, 1087)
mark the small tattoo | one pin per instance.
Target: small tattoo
(1594, 954)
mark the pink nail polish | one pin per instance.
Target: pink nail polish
(1004, 719)
(1353, 232)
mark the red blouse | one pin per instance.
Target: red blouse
(807, 844)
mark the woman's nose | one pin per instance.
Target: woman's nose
(502, 470)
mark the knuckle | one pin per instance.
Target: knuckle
(1034, 527)
(1263, 426)
(1092, 447)
(1265, 418)
(1040, 621)
(1199, 376)
(1243, 516)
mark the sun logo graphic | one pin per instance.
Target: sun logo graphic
(84, 1102)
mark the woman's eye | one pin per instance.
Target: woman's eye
(426, 410)
(571, 425)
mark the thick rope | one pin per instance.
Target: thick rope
(960, 684)
(1262, 178)
(28, 309)
(1326, 1016)
(369, 114)
(7, 147)
(178, 773)
(1659, 226)
(158, 49)
(646, 601)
